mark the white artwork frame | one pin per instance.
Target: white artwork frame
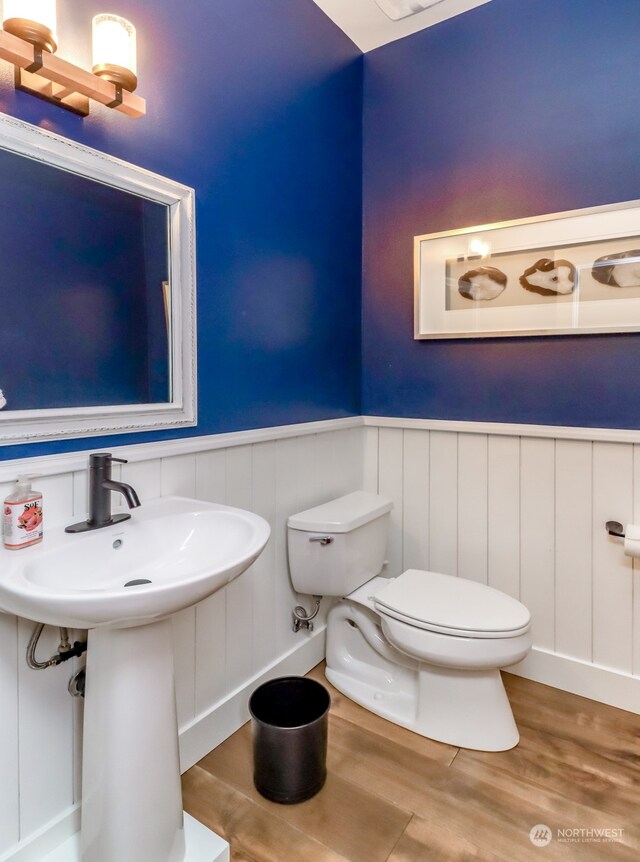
(439, 314)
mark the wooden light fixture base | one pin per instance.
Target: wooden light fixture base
(56, 80)
(36, 85)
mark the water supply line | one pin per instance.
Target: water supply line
(301, 619)
(65, 650)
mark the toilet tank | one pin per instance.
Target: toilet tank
(336, 547)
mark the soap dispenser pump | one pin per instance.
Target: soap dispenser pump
(22, 516)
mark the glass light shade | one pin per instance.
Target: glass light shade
(114, 50)
(32, 20)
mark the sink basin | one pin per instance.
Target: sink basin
(179, 551)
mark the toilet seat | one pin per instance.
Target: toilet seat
(452, 606)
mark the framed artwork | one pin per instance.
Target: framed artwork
(567, 273)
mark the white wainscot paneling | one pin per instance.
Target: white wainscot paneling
(239, 593)
(46, 734)
(415, 500)
(223, 647)
(288, 502)
(390, 476)
(57, 498)
(526, 515)
(370, 459)
(503, 517)
(574, 540)
(443, 502)
(472, 507)
(537, 533)
(612, 571)
(9, 787)
(264, 569)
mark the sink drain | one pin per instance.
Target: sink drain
(137, 581)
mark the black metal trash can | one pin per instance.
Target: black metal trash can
(289, 718)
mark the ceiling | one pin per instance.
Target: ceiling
(368, 26)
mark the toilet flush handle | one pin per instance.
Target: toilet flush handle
(324, 540)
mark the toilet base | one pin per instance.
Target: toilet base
(465, 708)
(468, 709)
(482, 726)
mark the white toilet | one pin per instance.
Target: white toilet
(423, 649)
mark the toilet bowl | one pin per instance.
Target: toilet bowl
(423, 650)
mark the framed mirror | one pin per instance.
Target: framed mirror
(97, 292)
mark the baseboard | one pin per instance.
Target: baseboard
(578, 677)
(201, 845)
(212, 727)
(38, 845)
(198, 738)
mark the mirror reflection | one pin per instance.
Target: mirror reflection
(85, 304)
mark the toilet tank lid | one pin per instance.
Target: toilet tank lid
(342, 514)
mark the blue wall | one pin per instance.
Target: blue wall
(258, 106)
(508, 111)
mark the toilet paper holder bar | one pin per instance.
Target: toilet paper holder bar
(615, 528)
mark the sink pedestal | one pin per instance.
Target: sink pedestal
(131, 794)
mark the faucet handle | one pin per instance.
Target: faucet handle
(119, 460)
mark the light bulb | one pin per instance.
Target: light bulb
(114, 51)
(32, 20)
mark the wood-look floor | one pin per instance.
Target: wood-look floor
(393, 796)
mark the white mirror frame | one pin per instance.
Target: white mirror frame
(32, 426)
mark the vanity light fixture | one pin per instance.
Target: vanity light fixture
(28, 40)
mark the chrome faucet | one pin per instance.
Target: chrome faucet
(100, 487)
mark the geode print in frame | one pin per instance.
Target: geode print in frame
(576, 272)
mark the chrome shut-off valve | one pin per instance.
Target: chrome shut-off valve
(303, 620)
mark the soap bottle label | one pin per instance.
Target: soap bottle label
(22, 523)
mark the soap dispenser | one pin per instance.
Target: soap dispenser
(22, 516)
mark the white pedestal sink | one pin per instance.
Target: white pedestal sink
(179, 551)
